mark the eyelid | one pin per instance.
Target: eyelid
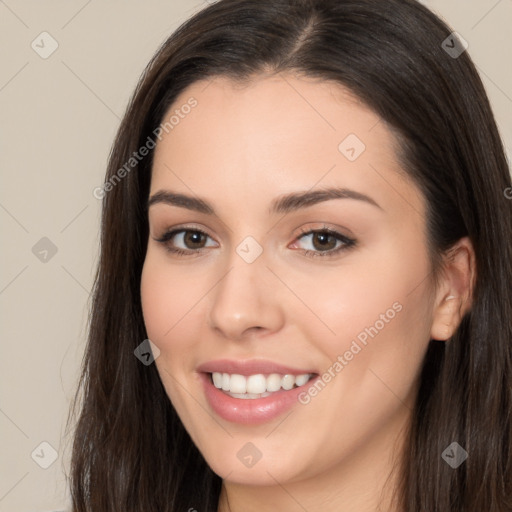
(321, 228)
(186, 227)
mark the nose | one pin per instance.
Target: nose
(246, 301)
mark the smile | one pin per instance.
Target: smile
(258, 385)
(252, 392)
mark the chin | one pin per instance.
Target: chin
(255, 462)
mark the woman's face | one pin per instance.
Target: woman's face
(279, 280)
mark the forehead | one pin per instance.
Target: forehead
(275, 108)
(276, 134)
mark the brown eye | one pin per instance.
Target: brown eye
(186, 241)
(194, 239)
(324, 242)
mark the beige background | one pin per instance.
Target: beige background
(58, 119)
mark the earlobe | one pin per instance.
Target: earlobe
(455, 290)
(447, 318)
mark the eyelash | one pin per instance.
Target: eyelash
(348, 243)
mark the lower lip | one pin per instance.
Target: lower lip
(251, 411)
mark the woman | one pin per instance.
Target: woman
(305, 211)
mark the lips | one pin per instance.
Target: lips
(250, 401)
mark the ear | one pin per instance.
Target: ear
(454, 294)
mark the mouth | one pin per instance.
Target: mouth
(254, 391)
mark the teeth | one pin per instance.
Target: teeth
(300, 380)
(225, 382)
(237, 384)
(217, 380)
(256, 386)
(274, 382)
(288, 382)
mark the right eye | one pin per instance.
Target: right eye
(185, 241)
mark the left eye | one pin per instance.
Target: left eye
(324, 241)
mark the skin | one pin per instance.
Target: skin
(239, 149)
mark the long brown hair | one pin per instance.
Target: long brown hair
(131, 452)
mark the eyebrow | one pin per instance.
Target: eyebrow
(284, 204)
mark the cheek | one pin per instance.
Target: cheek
(174, 316)
(169, 303)
(380, 316)
(157, 299)
(166, 296)
(353, 298)
(375, 310)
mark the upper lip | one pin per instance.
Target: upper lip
(249, 367)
